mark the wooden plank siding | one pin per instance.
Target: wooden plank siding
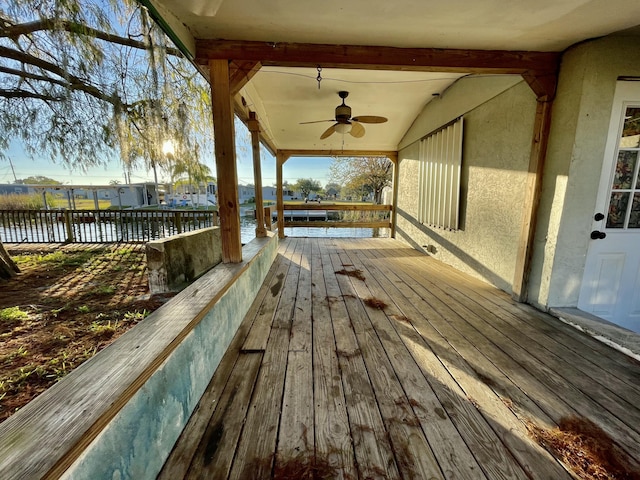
(381, 362)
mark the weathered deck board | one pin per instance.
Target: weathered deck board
(435, 383)
(297, 403)
(475, 378)
(333, 438)
(615, 395)
(217, 446)
(371, 444)
(542, 376)
(448, 431)
(462, 393)
(413, 454)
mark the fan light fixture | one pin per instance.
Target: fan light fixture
(343, 128)
(345, 123)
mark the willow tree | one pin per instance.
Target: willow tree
(85, 81)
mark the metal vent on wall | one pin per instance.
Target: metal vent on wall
(439, 177)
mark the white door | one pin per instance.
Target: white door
(611, 283)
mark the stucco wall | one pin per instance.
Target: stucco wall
(580, 122)
(496, 146)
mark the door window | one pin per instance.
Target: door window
(624, 202)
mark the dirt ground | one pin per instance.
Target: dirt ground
(72, 301)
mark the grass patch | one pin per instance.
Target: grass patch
(13, 315)
(136, 316)
(74, 310)
(57, 259)
(104, 330)
(105, 290)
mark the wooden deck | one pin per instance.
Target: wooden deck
(413, 371)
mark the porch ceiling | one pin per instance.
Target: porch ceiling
(284, 97)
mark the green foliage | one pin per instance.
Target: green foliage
(105, 290)
(38, 180)
(136, 315)
(21, 202)
(104, 329)
(13, 315)
(307, 185)
(62, 259)
(84, 309)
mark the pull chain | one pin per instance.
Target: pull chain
(319, 77)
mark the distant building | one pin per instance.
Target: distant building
(270, 193)
(123, 196)
(246, 193)
(13, 189)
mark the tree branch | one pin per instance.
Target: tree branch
(32, 76)
(17, 93)
(14, 31)
(74, 83)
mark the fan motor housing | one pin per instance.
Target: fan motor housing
(343, 113)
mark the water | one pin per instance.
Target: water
(248, 231)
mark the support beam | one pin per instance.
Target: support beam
(240, 72)
(394, 194)
(378, 57)
(242, 112)
(254, 128)
(338, 153)
(225, 161)
(281, 158)
(532, 198)
(543, 84)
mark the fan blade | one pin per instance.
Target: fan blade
(369, 119)
(328, 132)
(357, 130)
(317, 121)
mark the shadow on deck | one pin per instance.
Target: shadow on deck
(371, 360)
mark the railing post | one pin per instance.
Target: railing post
(177, 221)
(68, 225)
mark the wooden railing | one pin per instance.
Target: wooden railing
(99, 226)
(336, 215)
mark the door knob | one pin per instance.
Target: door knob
(598, 216)
(597, 235)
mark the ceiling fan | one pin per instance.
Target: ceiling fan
(344, 122)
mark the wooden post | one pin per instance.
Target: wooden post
(267, 218)
(96, 203)
(532, 198)
(69, 226)
(177, 221)
(280, 159)
(394, 196)
(254, 128)
(225, 161)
